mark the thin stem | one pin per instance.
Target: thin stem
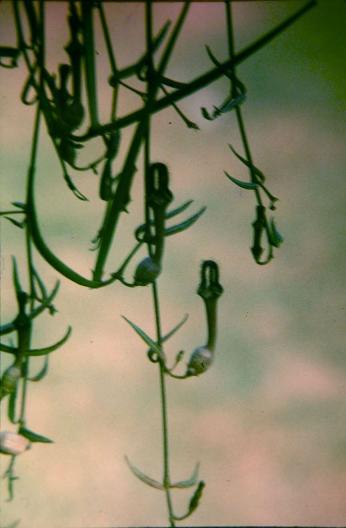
(238, 111)
(150, 98)
(151, 90)
(88, 41)
(165, 443)
(111, 57)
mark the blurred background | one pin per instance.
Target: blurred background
(268, 421)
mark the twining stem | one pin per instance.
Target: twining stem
(165, 442)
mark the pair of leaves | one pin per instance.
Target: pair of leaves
(182, 484)
(148, 340)
(178, 228)
(39, 351)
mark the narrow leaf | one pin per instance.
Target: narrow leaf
(178, 210)
(42, 373)
(175, 328)
(250, 165)
(16, 222)
(225, 71)
(144, 336)
(20, 205)
(38, 351)
(140, 231)
(51, 348)
(143, 477)
(244, 185)
(40, 283)
(189, 482)
(34, 437)
(231, 102)
(184, 225)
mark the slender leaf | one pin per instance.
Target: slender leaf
(184, 225)
(250, 165)
(34, 437)
(42, 373)
(140, 231)
(143, 477)
(175, 328)
(180, 209)
(16, 222)
(230, 103)
(39, 351)
(20, 205)
(226, 71)
(189, 482)
(244, 185)
(154, 346)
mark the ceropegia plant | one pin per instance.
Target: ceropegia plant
(67, 108)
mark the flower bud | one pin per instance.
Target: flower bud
(10, 379)
(200, 361)
(147, 271)
(13, 443)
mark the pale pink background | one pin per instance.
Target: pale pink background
(267, 422)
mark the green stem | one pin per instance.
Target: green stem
(111, 57)
(151, 90)
(165, 443)
(88, 41)
(2, 213)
